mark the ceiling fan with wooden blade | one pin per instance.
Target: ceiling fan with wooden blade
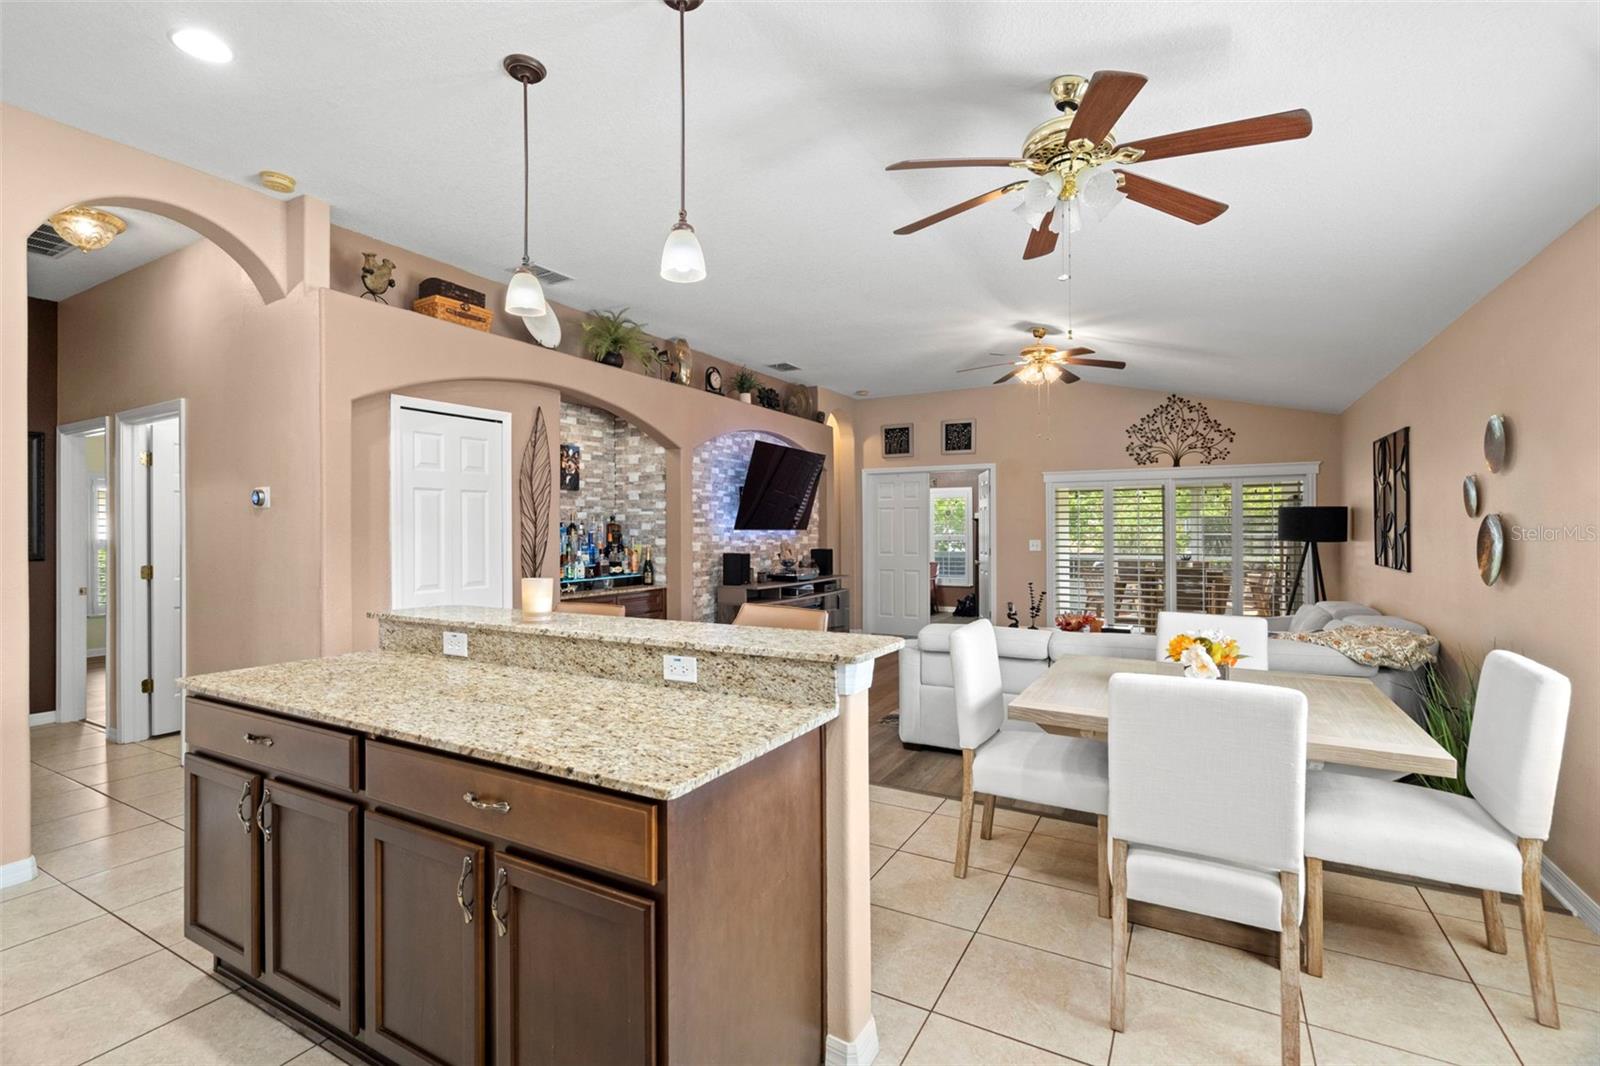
(1040, 363)
(1069, 160)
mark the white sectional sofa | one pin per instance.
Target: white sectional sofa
(927, 699)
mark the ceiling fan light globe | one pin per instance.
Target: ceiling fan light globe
(682, 259)
(524, 295)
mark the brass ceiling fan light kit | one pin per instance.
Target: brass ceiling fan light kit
(1040, 363)
(1073, 161)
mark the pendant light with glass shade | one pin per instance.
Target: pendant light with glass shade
(524, 295)
(681, 258)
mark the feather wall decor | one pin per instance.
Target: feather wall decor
(535, 484)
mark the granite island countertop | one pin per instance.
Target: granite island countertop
(837, 649)
(642, 739)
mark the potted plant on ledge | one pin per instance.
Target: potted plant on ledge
(609, 337)
(744, 383)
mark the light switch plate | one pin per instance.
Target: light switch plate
(1035, 545)
(455, 644)
(680, 668)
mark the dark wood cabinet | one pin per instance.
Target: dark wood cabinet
(574, 969)
(222, 862)
(310, 926)
(426, 972)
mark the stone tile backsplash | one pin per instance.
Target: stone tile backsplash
(623, 473)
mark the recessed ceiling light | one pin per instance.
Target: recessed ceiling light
(202, 44)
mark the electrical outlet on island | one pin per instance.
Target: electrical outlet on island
(680, 668)
(455, 644)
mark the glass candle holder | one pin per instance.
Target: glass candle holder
(538, 597)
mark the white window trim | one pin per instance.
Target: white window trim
(1169, 478)
(963, 492)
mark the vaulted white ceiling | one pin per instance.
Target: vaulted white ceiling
(1451, 143)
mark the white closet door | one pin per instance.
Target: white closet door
(450, 523)
(897, 554)
(166, 583)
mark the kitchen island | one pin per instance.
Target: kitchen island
(543, 851)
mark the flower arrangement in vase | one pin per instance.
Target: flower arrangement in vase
(1208, 654)
(1087, 622)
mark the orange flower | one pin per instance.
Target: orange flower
(1178, 645)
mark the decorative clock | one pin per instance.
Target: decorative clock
(713, 380)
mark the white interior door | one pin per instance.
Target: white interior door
(897, 554)
(450, 514)
(982, 511)
(73, 520)
(164, 482)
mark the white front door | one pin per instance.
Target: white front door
(897, 554)
(450, 528)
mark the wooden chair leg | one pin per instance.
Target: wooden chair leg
(964, 830)
(1541, 977)
(1102, 867)
(988, 817)
(1313, 916)
(1494, 923)
(1119, 934)
(1289, 967)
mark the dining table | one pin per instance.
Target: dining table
(1349, 720)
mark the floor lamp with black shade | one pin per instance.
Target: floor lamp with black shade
(1312, 526)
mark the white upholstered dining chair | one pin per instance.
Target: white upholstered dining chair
(1019, 764)
(1492, 841)
(1251, 633)
(1207, 810)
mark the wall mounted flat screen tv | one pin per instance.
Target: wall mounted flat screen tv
(779, 488)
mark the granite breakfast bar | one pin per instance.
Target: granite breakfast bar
(544, 851)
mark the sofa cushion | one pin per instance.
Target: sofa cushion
(1114, 645)
(1310, 618)
(1389, 620)
(1301, 658)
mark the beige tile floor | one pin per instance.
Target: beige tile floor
(93, 964)
(1006, 966)
(1010, 964)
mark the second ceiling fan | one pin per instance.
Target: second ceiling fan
(1070, 159)
(1040, 363)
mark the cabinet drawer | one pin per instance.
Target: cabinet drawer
(303, 751)
(610, 833)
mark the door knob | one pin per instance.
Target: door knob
(83, 591)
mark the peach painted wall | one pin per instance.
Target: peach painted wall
(191, 325)
(1075, 427)
(44, 166)
(1529, 350)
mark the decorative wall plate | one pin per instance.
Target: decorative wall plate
(1491, 548)
(545, 329)
(1495, 443)
(1469, 494)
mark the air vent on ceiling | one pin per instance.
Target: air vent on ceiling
(547, 276)
(782, 368)
(47, 242)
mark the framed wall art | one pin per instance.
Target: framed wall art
(1391, 500)
(956, 437)
(897, 441)
(571, 467)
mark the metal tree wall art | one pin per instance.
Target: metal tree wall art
(1177, 429)
(535, 484)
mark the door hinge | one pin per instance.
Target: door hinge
(147, 572)
(146, 459)
(148, 685)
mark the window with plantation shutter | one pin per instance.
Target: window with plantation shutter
(1139, 554)
(1204, 541)
(1078, 538)
(951, 511)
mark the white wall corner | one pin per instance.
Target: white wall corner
(42, 718)
(858, 1052)
(1566, 890)
(15, 873)
(853, 677)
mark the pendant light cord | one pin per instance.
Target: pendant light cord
(526, 179)
(683, 123)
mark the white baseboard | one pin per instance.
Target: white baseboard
(1566, 890)
(95, 653)
(15, 873)
(858, 1052)
(42, 718)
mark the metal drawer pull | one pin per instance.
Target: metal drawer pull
(244, 817)
(266, 802)
(461, 888)
(500, 923)
(498, 806)
(257, 738)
